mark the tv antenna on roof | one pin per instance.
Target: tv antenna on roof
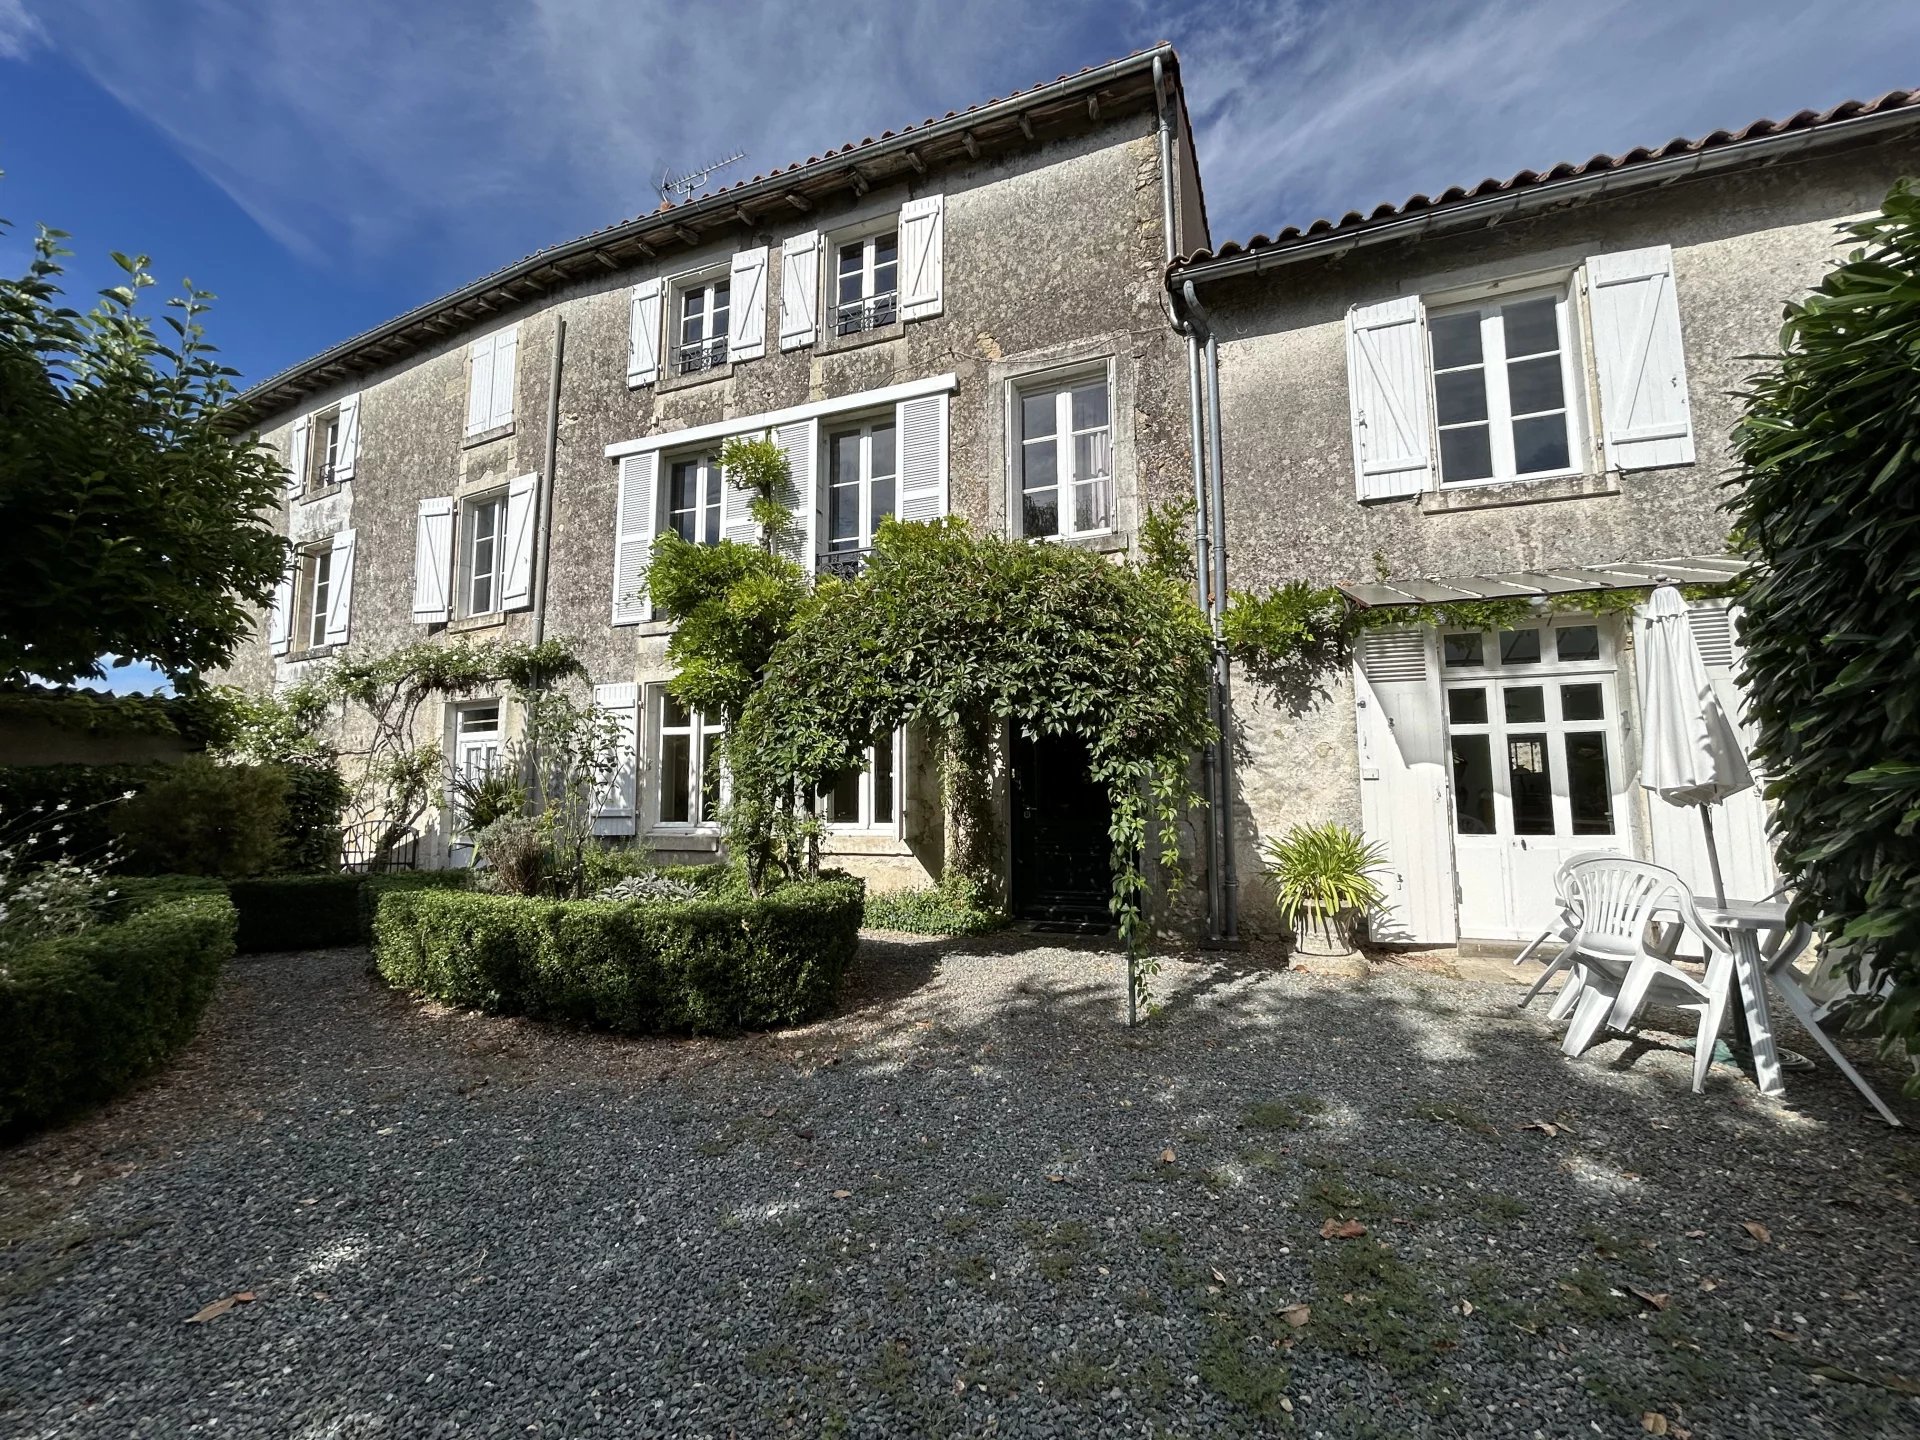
(681, 188)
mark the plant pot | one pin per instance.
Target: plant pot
(1329, 937)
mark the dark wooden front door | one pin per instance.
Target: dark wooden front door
(1062, 856)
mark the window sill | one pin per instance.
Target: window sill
(492, 620)
(318, 652)
(487, 437)
(668, 383)
(863, 842)
(833, 344)
(1100, 542)
(1518, 492)
(694, 842)
(322, 492)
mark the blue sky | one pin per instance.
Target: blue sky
(324, 167)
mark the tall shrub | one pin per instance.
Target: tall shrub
(207, 819)
(1829, 507)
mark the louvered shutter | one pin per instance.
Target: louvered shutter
(480, 384)
(1389, 377)
(280, 613)
(1645, 416)
(347, 447)
(433, 561)
(615, 791)
(799, 289)
(747, 305)
(1404, 784)
(506, 350)
(643, 333)
(340, 588)
(736, 512)
(799, 442)
(297, 443)
(921, 426)
(633, 538)
(923, 226)
(517, 591)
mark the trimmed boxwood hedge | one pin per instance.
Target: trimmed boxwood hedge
(85, 1015)
(294, 912)
(720, 963)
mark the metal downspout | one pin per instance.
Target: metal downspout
(543, 492)
(1223, 670)
(1200, 547)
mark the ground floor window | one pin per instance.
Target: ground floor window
(866, 798)
(476, 751)
(691, 780)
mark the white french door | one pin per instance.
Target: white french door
(1533, 735)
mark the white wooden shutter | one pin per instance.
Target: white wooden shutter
(506, 350)
(921, 428)
(736, 511)
(433, 561)
(799, 442)
(297, 444)
(517, 592)
(480, 384)
(799, 289)
(615, 791)
(347, 447)
(923, 225)
(1645, 416)
(1389, 379)
(280, 613)
(643, 333)
(1740, 821)
(633, 538)
(340, 588)
(747, 305)
(1404, 784)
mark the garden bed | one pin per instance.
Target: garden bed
(722, 962)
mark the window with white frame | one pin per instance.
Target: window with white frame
(862, 470)
(691, 778)
(316, 592)
(866, 798)
(701, 335)
(483, 553)
(476, 750)
(324, 456)
(866, 292)
(1503, 386)
(693, 497)
(1065, 457)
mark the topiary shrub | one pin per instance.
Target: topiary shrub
(86, 1015)
(297, 912)
(206, 819)
(727, 961)
(310, 835)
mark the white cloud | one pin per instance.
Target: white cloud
(454, 135)
(20, 33)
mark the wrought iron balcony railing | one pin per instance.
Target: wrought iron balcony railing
(874, 313)
(701, 355)
(843, 564)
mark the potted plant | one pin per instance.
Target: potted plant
(1320, 873)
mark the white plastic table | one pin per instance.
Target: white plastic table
(1743, 922)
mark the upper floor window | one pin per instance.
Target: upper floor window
(484, 553)
(867, 284)
(1499, 384)
(862, 465)
(315, 595)
(324, 447)
(701, 338)
(1066, 458)
(1503, 378)
(326, 450)
(491, 365)
(694, 498)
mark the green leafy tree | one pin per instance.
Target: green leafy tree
(1828, 503)
(133, 515)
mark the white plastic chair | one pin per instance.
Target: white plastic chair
(1560, 933)
(1618, 970)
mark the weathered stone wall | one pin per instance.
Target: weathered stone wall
(1052, 254)
(1744, 244)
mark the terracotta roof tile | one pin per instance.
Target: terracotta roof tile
(1454, 194)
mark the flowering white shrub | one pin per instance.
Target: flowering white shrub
(42, 898)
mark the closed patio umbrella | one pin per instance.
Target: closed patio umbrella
(1689, 751)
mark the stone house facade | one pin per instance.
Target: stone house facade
(1524, 390)
(965, 317)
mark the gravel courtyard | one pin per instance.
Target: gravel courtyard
(970, 1204)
